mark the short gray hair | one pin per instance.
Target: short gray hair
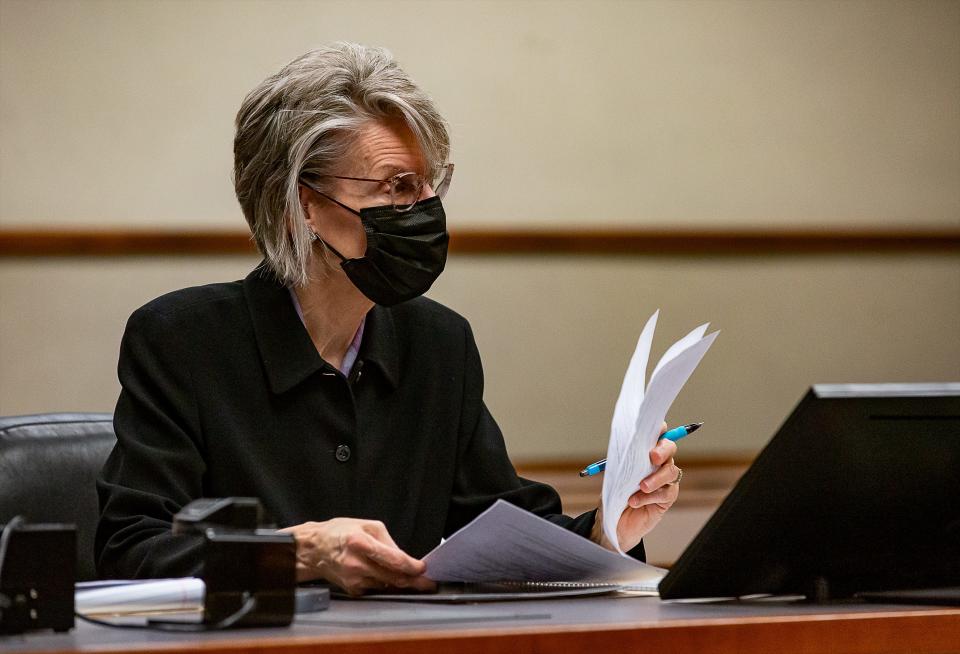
(302, 120)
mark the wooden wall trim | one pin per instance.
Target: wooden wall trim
(612, 241)
(706, 481)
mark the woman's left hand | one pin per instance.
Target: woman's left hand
(646, 507)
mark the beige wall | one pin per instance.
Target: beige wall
(583, 114)
(639, 113)
(555, 333)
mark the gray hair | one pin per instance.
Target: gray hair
(302, 120)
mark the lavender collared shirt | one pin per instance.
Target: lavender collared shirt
(351, 355)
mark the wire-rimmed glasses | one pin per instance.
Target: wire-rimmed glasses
(406, 188)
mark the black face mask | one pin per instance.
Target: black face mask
(406, 251)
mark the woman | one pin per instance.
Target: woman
(322, 383)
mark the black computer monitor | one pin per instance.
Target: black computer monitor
(859, 490)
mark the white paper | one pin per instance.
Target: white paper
(506, 543)
(155, 595)
(639, 414)
(106, 583)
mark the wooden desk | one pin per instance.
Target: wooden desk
(595, 625)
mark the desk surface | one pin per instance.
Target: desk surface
(609, 624)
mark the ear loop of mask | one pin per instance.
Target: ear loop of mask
(316, 239)
(315, 236)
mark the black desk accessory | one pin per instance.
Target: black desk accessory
(312, 599)
(37, 573)
(936, 596)
(249, 573)
(858, 491)
(237, 513)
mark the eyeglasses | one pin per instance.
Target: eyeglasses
(406, 188)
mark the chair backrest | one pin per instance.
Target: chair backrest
(48, 468)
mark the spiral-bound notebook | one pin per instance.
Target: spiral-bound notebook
(455, 593)
(647, 587)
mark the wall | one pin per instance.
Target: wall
(555, 333)
(830, 115)
(631, 113)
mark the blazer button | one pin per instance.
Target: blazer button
(343, 453)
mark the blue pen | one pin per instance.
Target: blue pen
(674, 434)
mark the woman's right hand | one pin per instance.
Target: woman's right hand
(356, 555)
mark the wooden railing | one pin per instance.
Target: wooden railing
(528, 241)
(706, 481)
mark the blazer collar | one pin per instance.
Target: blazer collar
(288, 354)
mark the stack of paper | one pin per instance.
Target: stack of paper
(125, 596)
(639, 414)
(506, 543)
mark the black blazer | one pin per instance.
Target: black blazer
(224, 394)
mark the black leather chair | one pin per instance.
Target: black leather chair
(48, 468)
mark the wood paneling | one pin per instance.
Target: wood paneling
(612, 241)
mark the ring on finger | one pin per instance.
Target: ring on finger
(679, 476)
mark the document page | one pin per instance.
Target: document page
(154, 595)
(639, 413)
(506, 543)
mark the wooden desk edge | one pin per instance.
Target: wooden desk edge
(920, 631)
